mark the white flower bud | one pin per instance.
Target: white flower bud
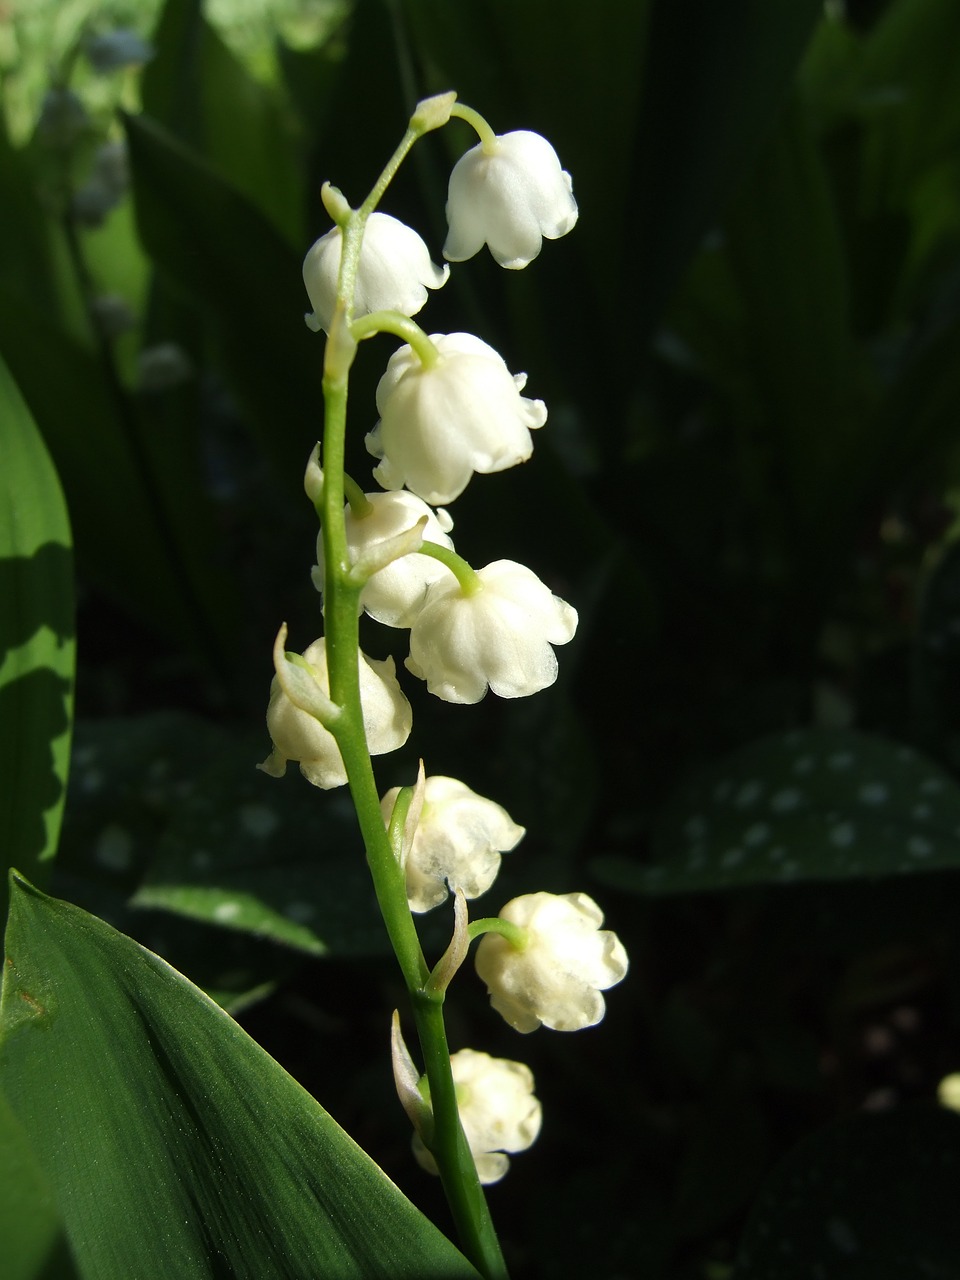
(498, 1111)
(440, 423)
(498, 636)
(394, 274)
(296, 735)
(163, 366)
(63, 118)
(114, 314)
(508, 198)
(567, 960)
(117, 49)
(395, 593)
(105, 187)
(313, 479)
(458, 842)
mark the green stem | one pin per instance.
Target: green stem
(397, 323)
(341, 595)
(471, 583)
(457, 1170)
(468, 1204)
(360, 504)
(488, 139)
(515, 934)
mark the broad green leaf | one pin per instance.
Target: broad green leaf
(936, 685)
(871, 1197)
(37, 648)
(925, 394)
(716, 76)
(908, 94)
(196, 87)
(260, 854)
(788, 260)
(130, 779)
(217, 249)
(812, 804)
(137, 525)
(178, 1147)
(34, 1244)
(170, 811)
(26, 266)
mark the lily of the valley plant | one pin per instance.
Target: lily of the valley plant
(449, 408)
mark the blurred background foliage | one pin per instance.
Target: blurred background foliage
(749, 485)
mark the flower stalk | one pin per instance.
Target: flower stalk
(341, 597)
(449, 409)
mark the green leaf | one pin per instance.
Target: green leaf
(37, 650)
(34, 1244)
(787, 256)
(908, 94)
(26, 256)
(872, 1197)
(170, 810)
(813, 804)
(195, 87)
(936, 684)
(137, 520)
(219, 251)
(716, 76)
(259, 854)
(178, 1147)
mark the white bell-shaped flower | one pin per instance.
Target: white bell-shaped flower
(296, 735)
(116, 49)
(106, 185)
(556, 978)
(395, 593)
(500, 635)
(394, 274)
(508, 197)
(440, 423)
(498, 1111)
(458, 842)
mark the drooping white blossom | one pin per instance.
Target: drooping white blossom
(162, 366)
(556, 978)
(106, 185)
(395, 593)
(394, 273)
(499, 636)
(498, 1111)
(458, 842)
(297, 735)
(114, 50)
(440, 423)
(113, 313)
(63, 118)
(509, 197)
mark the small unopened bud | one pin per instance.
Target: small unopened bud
(63, 118)
(117, 49)
(433, 113)
(455, 954)
(313, 477)
(335, 203)
(407, 1081)
(162, 367)
(113, 314)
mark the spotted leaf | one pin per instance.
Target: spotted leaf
(814, 804)
(869, 1197)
